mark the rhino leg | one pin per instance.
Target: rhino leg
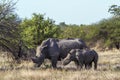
(80, 62)
(54, 62)
(77, 64)
(86, 66)
(80, 65)
(95, 59)
(95, 64)
(90, 65)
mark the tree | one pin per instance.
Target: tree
(109, 31)
(36, 29)
(6, 9)
(115, 37)
(9, 30)
(115, 10)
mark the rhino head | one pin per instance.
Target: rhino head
(73, 55)
(40, 55)
(70, 57)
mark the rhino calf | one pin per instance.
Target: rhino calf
(82, 57)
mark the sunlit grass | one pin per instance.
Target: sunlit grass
(50, 74)
(108, 69)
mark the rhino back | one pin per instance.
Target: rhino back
(89, 56)
(66, 45)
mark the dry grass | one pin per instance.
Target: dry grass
(108, 69)
(50, 74)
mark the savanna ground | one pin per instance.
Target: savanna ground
(108, 69)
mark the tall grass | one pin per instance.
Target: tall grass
(50, 74)
(108, 69)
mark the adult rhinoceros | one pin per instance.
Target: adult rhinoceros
(55, 49)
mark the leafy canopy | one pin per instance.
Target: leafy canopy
(36, 29)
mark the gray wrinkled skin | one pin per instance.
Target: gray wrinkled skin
(82, 57)
(55, 49)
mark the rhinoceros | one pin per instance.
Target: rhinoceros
(56, 50)
(82, 57)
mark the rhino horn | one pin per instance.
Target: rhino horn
(34, 59)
